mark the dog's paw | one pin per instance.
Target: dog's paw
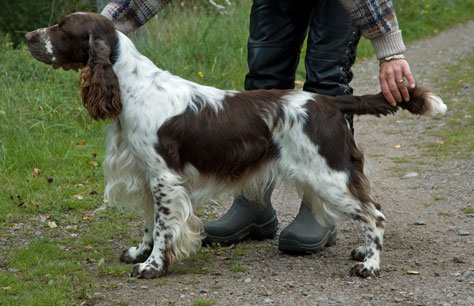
(146, 271)
(358, 253)
(362, 270)
(133, 255)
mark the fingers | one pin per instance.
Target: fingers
(392, 81)
(386, 92)
(400, 82)
(408, 75)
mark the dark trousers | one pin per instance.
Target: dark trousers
(277, 32)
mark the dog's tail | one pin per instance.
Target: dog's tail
(422, 102)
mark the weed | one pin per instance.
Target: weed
(438, 197)
(236, 267)
(468, 210)
(200, 302)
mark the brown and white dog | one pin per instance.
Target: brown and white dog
(174, 143)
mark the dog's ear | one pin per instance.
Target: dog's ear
(99, 85)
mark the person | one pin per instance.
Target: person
(278, 29)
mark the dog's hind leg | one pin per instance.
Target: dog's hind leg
(176, 229)
(331, 196)
(372, 222)
(136, 255)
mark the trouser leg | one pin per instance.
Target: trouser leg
(331, 51)
(277, 32)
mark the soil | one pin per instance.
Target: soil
(427, 232)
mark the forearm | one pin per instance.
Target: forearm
(377, 22)
(128, 15)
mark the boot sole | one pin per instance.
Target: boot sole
(254, 231)
(296, 247)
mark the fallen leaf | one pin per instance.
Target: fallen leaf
(78, 197)
(440, 142)
(88, 246)
(81, 143)
(94, 163)
(86, 217)
(36, 172)
(413, 272)
(397, 146)
(34, 203)
(52, 224)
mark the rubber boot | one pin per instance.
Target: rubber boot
(245, 219)
(305, 234)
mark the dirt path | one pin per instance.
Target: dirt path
(440, 248)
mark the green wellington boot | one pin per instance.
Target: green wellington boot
(305, 235)
(244, 220)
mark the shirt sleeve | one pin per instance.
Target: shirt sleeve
(128, 15)
(377, 21)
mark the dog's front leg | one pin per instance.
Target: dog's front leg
(139, 254)
(172, 236)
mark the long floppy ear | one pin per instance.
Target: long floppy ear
(99, 85)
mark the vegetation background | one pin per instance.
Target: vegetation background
(51, 151)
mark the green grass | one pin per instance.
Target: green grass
(43, 125)
(201, 302)
(60, 268)
(468, 210)
(41, 121)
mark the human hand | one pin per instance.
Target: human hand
(392, 81)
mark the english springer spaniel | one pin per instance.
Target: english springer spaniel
(174, 143)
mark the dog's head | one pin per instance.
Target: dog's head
(83, 40)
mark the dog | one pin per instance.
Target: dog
(174, 143)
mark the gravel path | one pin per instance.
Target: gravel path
(418, 238)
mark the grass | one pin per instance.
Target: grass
(44, 126)
(201, 302)
(468, 210)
